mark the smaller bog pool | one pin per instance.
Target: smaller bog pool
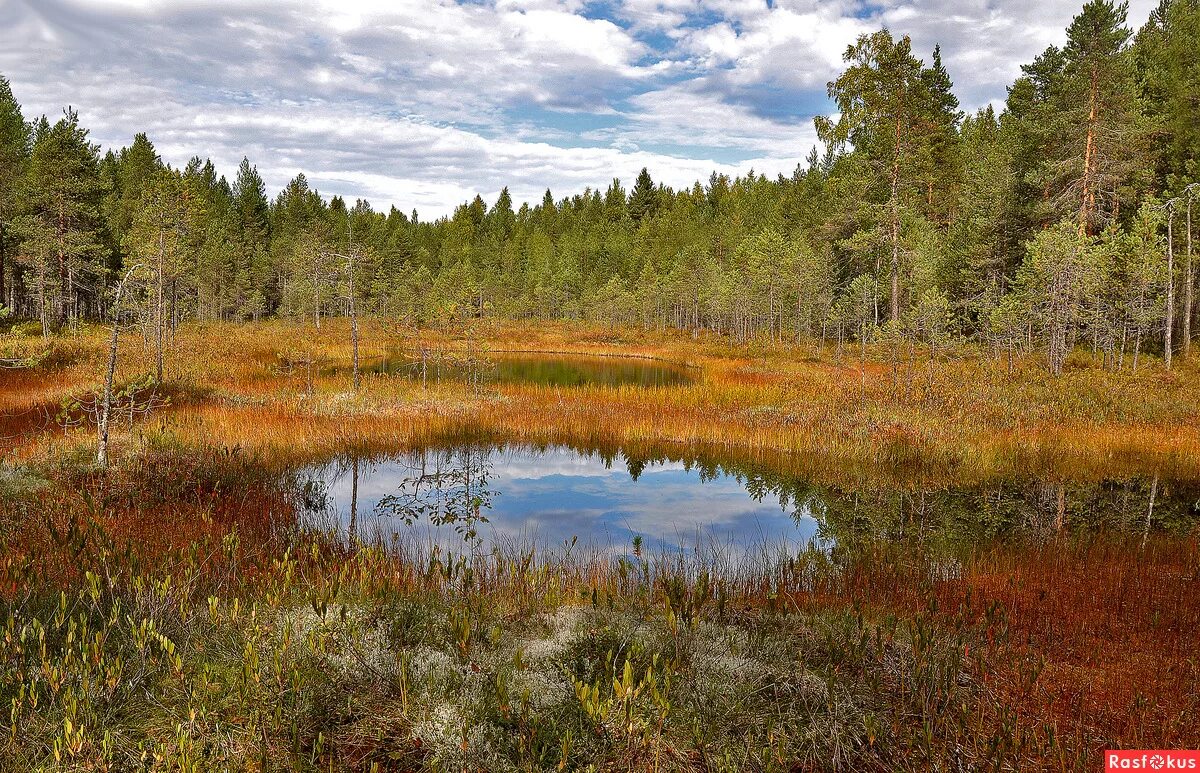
(566, 370)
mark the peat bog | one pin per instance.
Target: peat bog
(859, 430)
(787, 560)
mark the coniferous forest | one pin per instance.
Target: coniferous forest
(1062, 218)
(891, 463)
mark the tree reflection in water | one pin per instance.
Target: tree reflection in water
(446, 487)
(562, 491)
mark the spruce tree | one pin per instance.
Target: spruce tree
(940, 147)
(134, 168)
(643, 199)
(252, 278)
(1166, 54)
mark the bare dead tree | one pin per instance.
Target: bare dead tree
(351, 266)
(107, 397)
(1169, 322)
(1168, 348)
(353, 317)
(1192, 191)
(1150, 510)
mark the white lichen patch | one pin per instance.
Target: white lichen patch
(563, 623)
(429, 666)
(541, 687)
(458, 741)
(440, 728)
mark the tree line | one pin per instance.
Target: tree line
(1062, 219)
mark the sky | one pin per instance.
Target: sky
(424, 104)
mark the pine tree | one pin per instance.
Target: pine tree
(61, 228)
(884, 99)
(1097, 141)
(1099, 73)
(14, 154)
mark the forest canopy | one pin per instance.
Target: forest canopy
(1064, 218)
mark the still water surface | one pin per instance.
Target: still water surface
(568, 370)
(545, 496)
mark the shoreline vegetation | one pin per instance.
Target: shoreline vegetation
(272, 388)
(172, 613)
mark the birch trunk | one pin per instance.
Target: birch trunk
(106, 399)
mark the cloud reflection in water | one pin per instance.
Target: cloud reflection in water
(547, 496)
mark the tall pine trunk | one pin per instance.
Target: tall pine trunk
(894, 310)
(1189, 283)
(1169, 325)
(1087, 205)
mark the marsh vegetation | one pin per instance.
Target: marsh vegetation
(891, 464)
(902, 571)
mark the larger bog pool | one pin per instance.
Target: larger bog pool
(549, 496)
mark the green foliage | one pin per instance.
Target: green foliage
(61, 223)
(14, 154)
(934, 220)
(1053, 282)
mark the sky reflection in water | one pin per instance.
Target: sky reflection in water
(546, 497)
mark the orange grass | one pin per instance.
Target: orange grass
(962, 420)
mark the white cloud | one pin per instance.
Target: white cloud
(424, 103)
(695, 114)
(799, 47)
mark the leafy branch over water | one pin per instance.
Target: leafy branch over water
(445, 488)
